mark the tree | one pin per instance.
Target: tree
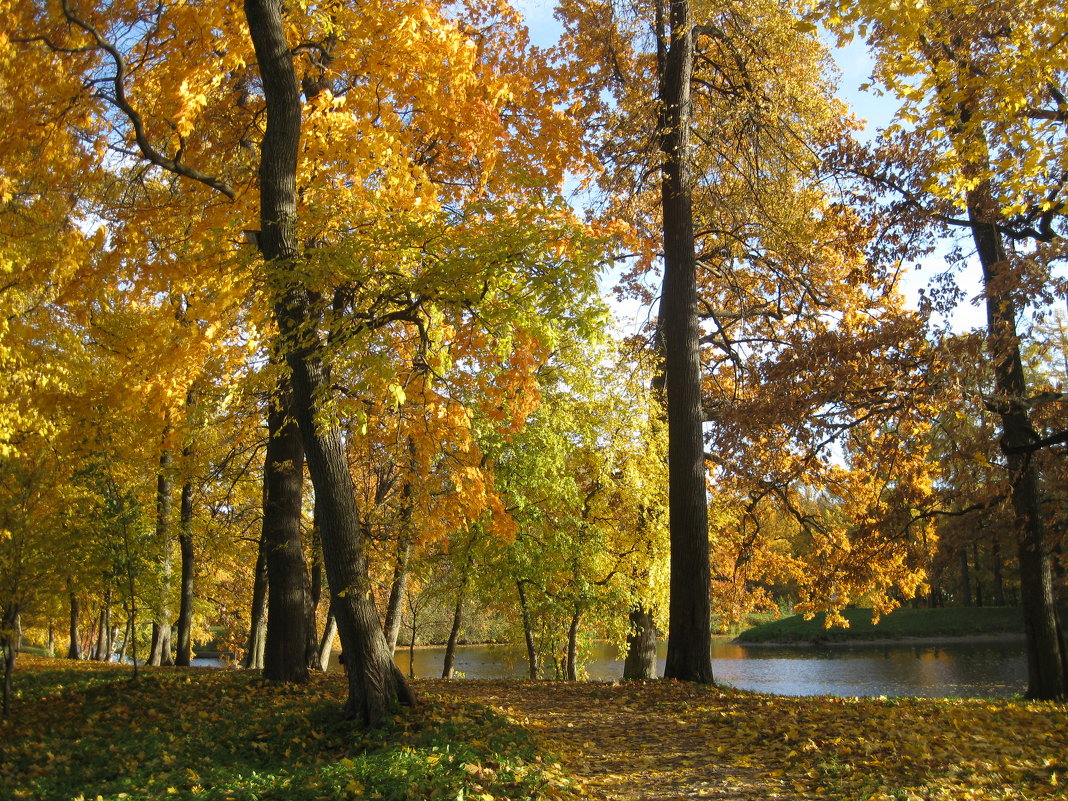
(986, 91)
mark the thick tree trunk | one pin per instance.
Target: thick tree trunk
(640, 662)
(1047, 659)
(285, 657)
(571, 666)
(528, 632)
(257, 629)
(74, 651)
(185, 543)
(395, 604)
(374, 680)
(689, 656)
(161, 628)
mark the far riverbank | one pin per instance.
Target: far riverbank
(900, 627)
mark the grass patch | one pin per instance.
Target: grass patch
(83, 731)
(947, 622)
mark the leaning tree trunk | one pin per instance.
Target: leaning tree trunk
(395, 605)
(447, 669)
(161, 627)
(283, 475)
(257, 627)
(640, 662)
(326, 644)
(689, 655)
(374, 680)
(1047, 659)
(184, 657)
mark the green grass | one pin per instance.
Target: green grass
(89, 732)
(947, 622)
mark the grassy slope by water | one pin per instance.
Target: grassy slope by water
(901, 623)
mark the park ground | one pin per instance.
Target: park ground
(87, 731)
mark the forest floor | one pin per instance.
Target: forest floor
(87, 732)
(665, 740)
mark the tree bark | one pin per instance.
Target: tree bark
(528, 632)
(373, 678)
(326, 644)
(995, 559)
(395, 604)
(161, 628)
(454, 632)
(1047, 659)
(689, 656)
(185, 544)
(965, 577)
(74, 651)
(9, 648)
(257, 629)
(285, 656)
(640, 662)
(311, 633)
(571, 666)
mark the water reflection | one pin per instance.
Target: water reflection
(975, 670)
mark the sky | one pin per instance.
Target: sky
(876, 111)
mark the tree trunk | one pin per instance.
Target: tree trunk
(373, 678)
(285, 657)
(103, 636)
(326, 644)
(9, 648)
(75, 649)
(411, 645)
(528, 632)
(640, 662)
(1047, 659)
(185, 543)
(995, 560)
(689, 656)
(965, 578)
(394, 606)
(454, 632)
(311, 634)
(978, 572)
(161, 627)
(51, 645)
(257, 629)
(572, 646)
(126, 638)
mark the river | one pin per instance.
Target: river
(958, 669)
(930, 671)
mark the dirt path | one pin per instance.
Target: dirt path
(622, 747)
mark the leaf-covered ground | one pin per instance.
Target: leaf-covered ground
(84, 730)
(666, 740)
